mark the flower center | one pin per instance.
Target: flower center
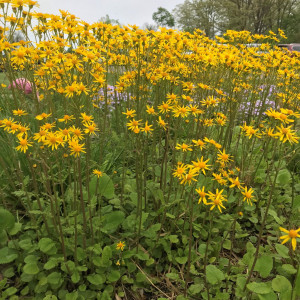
(292, 233)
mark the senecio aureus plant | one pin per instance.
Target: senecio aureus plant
(143, 164)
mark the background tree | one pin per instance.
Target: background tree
(162, 17)
(257, 16)
(108, 20)
(149, 26)
(203, 14)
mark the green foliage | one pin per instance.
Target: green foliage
(163, 17)
(192, 208)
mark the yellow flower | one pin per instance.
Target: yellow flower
(14, 127)
(134, 125)
(201, 165)
(287, 134)
(40, 136)
(202, 195)
(120, 246)
(48, 126)
(129, 113)
(162, 123)
(76, 148)
(90, 128)
(164, 107)
(86, 118)
(181, 111)
(180, 170)
(223, 157)
(291, 234)
(19, 112)
(216, 200)
(77, 133)
(23, 145)
(150, 110)
(43, 116)
(52, 140)
(71, 89)
(184, 147)
(199, 143)
(66, 118)
(248, 195)
(189, 177)
(235, 183)
(147, 128)
(97, 173)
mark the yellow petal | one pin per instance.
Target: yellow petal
(284, 241)
(284, 237)
(284, 230)
(294, 242)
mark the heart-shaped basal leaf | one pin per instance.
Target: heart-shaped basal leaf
(7, 220)
(7, 255)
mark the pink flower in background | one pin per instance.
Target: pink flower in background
(24, 85)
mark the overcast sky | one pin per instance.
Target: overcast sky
(130, 12)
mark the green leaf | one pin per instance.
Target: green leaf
(150, 262)
(47, 246)
(283, 177)
(50, 264)
(43, 280)
(173, 276)
(31, 269)
(142, 255)
(72, 296)
(113, 276)
(54, 278)
(264, 265)
(112, 221)
(96, 279)
(227, 244)
(25, 291)
(173, 239)
(140, 277)
(273, 213)
(97, 261)
(7, 255)
(31, 259)
(105, 296)
(10, 291)
(151, 231)
(105, 186)
(25, 244)
(296, 203)
(75, 277)
(213, 274)
(259, 287)
(281, 284)
(7, 220)
(297, 284)
(240, 282)
(270, 296)
(289, 269)
(181, 260)
(170, 216)
(282, 250)
(16, 229)
(8, 273)
(106, 254)
(195, 288)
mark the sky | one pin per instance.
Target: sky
(131, 12)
